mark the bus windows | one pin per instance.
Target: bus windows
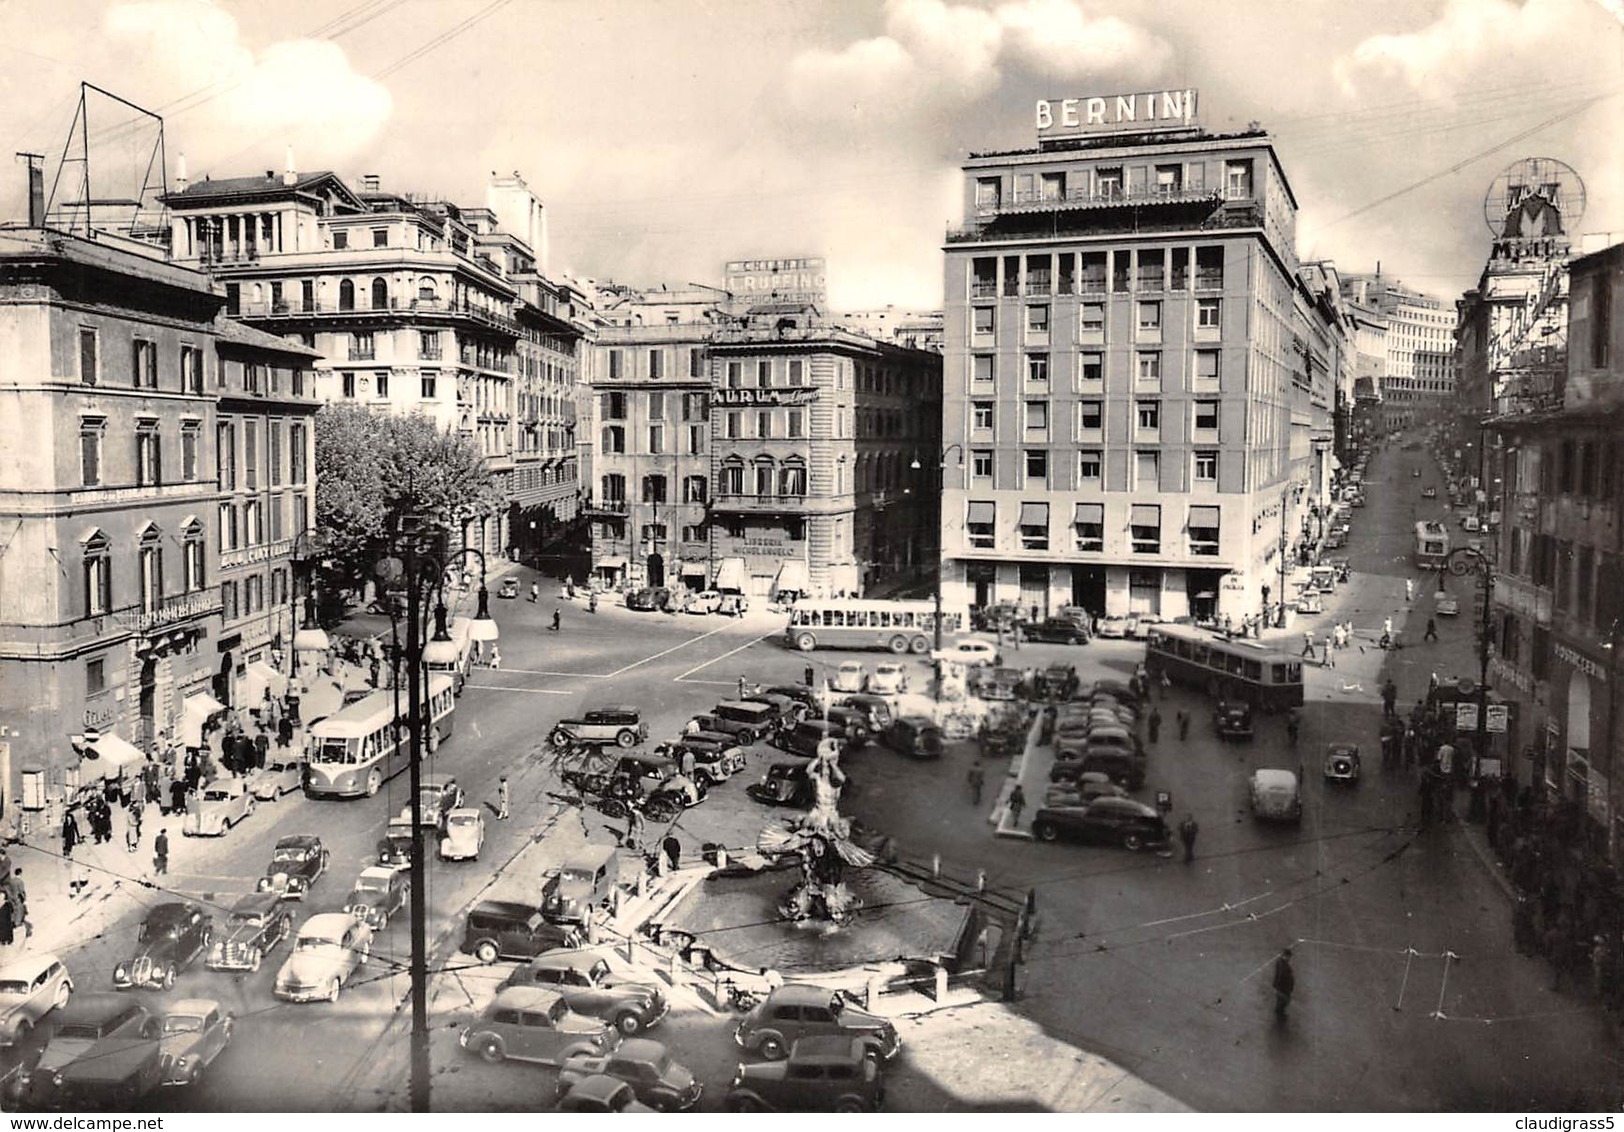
(1253, 670)
(1294, 672)
(1277, 673)
(1232, 664)
(1183, 648)
(1200, 653)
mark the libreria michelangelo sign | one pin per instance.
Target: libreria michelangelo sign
(1116, 113)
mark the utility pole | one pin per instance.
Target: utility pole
(419, 901)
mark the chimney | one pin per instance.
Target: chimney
(371, 183)
(180, 174)
(289, 177)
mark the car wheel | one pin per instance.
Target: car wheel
(1132, 841)
(332, 990)
(374, 781)
(491, 1049)
(63, 992)
(383, 922)
(771, 1047)
(1046, 831)
(850, 1104)
(627, 738)
(255, 957)
(628, 1024)
(486, 952)
(560, 738)
(23, 1026)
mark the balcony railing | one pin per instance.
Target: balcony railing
(1093, 198)
(726, 501)
(363, 354)
(1130, 217)
(170, 610)
(290, 309)
(608, 506)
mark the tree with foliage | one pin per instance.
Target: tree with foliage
(372, 467)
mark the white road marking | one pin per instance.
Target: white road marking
(683, 645)
(721, 658)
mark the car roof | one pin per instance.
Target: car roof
(28, 966)
(828, 1048)
(192, 1006)
(173, 910)
(462, 812)
(599, 1085)
(641, 1049)
(327, 923)
(510, 908)
(568, 957)
(1125, 804)
(1274, 777)
(625, 709)
(93, 1006)
(257, 902)
(802, 994)
(377, 872)
(744, 704)
(525, 998)
(298, 840)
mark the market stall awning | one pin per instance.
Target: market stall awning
(195, 712)
(792, 575)
(730, 574)
(113, 754)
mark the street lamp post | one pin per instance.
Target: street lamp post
(941, 486)
(1460, 562)
(1611, 645)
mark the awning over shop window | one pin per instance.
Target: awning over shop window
(1090, 513)
(612, 564)
(1034, 514)
(1146, 515)
(259, 679)
(113, 754)
(981, 511)
(1204, 517)
(194, 714)
(730, 575)
(792, 576)
(1336, 465)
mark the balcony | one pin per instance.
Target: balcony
(1020, 203)
(607, 507)
(326, 308)
(1150, 212)
(758, 504)
(169, 611)
(363, 353)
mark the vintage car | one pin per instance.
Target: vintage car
(509, 588)
(116, 1072)
(851, 725)
(876, 710)
(256, 923)
(1105, 820)
(916, 736)
(535, 1024)
(1058, 631)
(1429, 492)
(716, 757)
(748, 722)
(622, 726)
(1445, 604)
(1057, 682)
(586, 880)
(329, 949)
(171, 938)
(31, 986)
(281, 774)
(77, 1027)
(798, 1010)
(464, 835)
(997, 684)
(505, 929)
(438, 795)
(589, 987)
(395, 846)
(734, 605)
(599, 1093)
(297, 862)
(648, 599)
(801, 693)
(221, 804)
(784, 784)
(1082, 790)
(1276, 795)
(1342, 763)
(850, 676)
(705, 601)
(1232, 719)
(971, 653)
(196, 1031)
(821, 1074)
(379, 893)
(643, 1064)
(806, 739)
(1310, 601)
(1125, 768)
(887, 679)
(1003, 616)
(1115, 627)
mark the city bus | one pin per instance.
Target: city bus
(1431, 545)
(460, 632)
(356, 749)
(853, 623)
(1226, 669)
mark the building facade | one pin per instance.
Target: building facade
(1125, 374)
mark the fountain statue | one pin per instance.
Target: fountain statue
(822, 840)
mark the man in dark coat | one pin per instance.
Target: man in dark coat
(177, 796)
(71, 835)
(262, 747)
(1285, 982)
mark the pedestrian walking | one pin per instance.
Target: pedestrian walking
(160, 853)
(71, 835)
(1330, 658)
(557, 619)
(177, 796)
(1188, 828)
(634, 828)
(1409, 589)
(1285, 982)
(503, 797)
(1308, 643)
(132, 837)
(1016, 803)
(262, 747)
(535, 592)
(1390, 699)
(496, 656)
(19, 896)
(1294, 724)
(743, 685)
(977, 778)
(810, 677)
(1387, 632)
(1154, 723)
(1183, 718)
(8, 922)
(1432, 630)
(592, 602)
(672, 848)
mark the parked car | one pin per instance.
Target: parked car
(590, 988)
(31, 986)
(505, 929)
(1003, 616)
(997, 683)
(600, 1093)
(585, 881)
(1057, 682)
(915, 735)
(509, 588)
(851, 725)
(647, 599)
(378, 894)
(734, 605)
(326, 954)
(784, 784)
(888, 679)
(1310, 602)
(821, 1074)
(787, 710)
(170, 939)
(195, 1032)
(1276, 795)
(1057, 630)
(876, 710)
(1082, 790)
(801, 694)
(1105, 820)
(222, 804)
(256, 923)
(116, 1072)
(750, 721)
(970, 653)
(1115, 627)
(78, 1026)
(716, 757)
(706, 601)
(1121, 767)
(534, 1024)
(805, 739)
(622, 726)
(464, 834)
(1139, 624)
(798, 1010)
(1445, 604)
(850, 676)
(1232, 719)
(297, 862)
(642, 1064)
(281, 774)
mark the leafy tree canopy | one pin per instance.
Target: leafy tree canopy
(373, 466)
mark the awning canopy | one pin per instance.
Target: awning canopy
(1034, 515)
(730, 575)
(259, 679)
(612, 564)
(1204, 516)
(1146, 515)
(981, 511)
(195, 712)
(113, 754)
(1336, 465)
(1090, 513)
(792, 576)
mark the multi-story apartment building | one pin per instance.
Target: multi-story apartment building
(414, 306)
(815, 434)
(1418, 339)
(1559, 584)
(111, 568)
(265, 463)
(1123, 364)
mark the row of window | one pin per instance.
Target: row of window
(243, 524)
(1038, 464)
(613, 405)
(612, 440)
(1038, 324)
(1033, 532)
(1113, 182)
(734, 526)
(97, 567)
(656, 363)
(376, 384)
(296, 452)
(1090, 418)
(1122, 271)
(1089, 375)
(143, 364)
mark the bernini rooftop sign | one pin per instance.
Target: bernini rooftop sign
(1116, 113)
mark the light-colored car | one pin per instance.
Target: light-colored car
(1310, 602)
(328, 950)
(281, 775)
(1140, 624)
(533, 1024)
(196, 1031)
(888, 679)
(1115, 626)
(1470, 523)
(379, 893)
(706, 601)
(31, 986)
(464, 835)
(1446, 604)
(222, 804)
(1276, 795)
(849, 677)
(970, 653)
(440, 794)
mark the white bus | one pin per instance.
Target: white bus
(1431, 545)
(354, 750)
(458, 669)
(852, 623)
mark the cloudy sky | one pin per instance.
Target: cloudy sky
(668, 136)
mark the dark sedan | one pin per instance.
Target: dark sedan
(170, 939)
(916, 736)
(1104, 821)
(1057, 630)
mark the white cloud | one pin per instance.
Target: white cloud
(1055, 38)
(300, 91)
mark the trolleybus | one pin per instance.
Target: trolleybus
(853, 623)
(356, 749)
(1228, 669)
